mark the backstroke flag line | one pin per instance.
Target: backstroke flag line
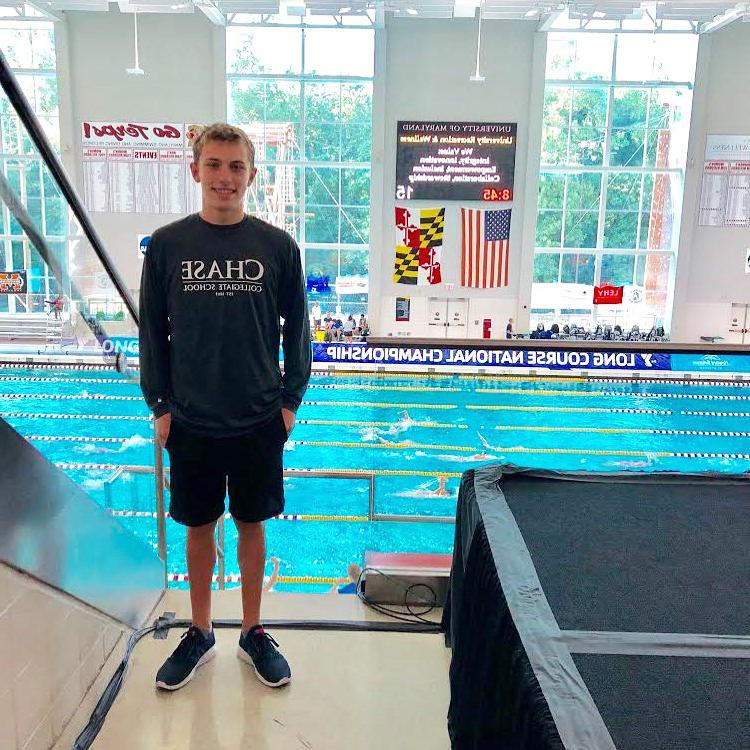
(485, 239)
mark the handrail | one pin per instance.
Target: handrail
(220, 553)
(161, 522)
(108, 486)
(28, 118)
(160, 475)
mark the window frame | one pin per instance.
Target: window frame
(301, 162)
(562, 91)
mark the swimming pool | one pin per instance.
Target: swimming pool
(409, 430)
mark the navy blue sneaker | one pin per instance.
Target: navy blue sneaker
(194, 650)
(260, 651)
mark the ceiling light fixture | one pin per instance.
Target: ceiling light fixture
(478, 77)
(136, 70)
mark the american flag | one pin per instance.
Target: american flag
(484, 248)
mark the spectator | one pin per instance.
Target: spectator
(509, 329)
(56, 305)
(539, 332)
(316, 315)
(349, 326)
(337, 328)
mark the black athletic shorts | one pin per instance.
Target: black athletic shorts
(249, 467)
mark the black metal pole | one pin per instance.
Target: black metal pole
(28, 118)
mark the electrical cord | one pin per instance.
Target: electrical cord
(86, 738)
(410, 615)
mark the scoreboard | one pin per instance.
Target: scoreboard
(460, 161)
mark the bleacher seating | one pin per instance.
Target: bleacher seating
(30, 327)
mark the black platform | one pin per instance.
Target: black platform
(596, 611)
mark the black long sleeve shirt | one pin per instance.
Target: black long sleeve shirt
(210, 302)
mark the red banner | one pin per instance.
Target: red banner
(608, 295)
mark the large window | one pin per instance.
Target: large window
(614, 143)
(29, 48)
(304, 94)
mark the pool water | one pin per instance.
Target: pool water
(409, 430)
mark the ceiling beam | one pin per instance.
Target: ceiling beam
(548, 21)
(211, 12)
(45, 8)
(732, 15)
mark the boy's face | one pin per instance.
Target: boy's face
(225, 173)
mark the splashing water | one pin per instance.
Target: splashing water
(90, 448)
(134, 441)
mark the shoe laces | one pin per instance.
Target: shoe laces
(264, 643)
(190, 641)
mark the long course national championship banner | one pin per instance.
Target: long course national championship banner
(547, 358)
(455, 161)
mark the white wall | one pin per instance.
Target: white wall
(185, 81)
(422, 73)
(710, 270)
(51, 649)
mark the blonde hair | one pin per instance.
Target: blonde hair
(221, 131)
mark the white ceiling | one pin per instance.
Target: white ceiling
(704, 15)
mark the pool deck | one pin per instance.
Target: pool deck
(350, 689)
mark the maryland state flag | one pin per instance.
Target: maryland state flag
(419, 246)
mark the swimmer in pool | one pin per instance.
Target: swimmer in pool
(348, 585)
(442, 490)
(270, 582)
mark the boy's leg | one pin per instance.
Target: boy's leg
(256, 493)
(251, 555)
(201, 559)
(198, 486)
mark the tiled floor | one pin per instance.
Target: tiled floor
(350, 691)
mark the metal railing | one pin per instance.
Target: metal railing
(161, 476)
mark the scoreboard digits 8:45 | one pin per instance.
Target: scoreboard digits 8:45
(493, 194)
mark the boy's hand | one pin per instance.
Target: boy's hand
(163, 425)
(289, 420)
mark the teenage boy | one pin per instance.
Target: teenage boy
(214, 286)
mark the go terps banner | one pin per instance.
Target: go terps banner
(547, 358)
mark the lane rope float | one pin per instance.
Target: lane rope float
(43, 415)
(640, 454)
(595, 394)
(392, 446)
(237, 578)
(70, 397)
(24, 379)
(355, 423)
(379, 405)
(598, 410)
(622, 430)
(716, 413)
(405, 388)
(227, 516)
